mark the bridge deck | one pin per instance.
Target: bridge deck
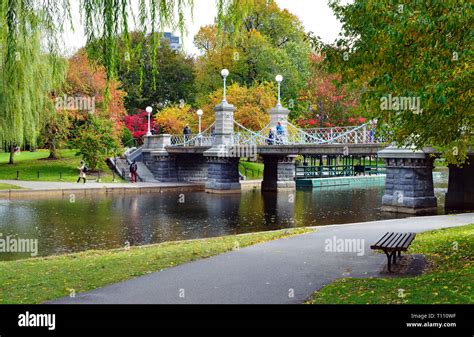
(298, 149)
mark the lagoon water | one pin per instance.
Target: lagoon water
(113, 221)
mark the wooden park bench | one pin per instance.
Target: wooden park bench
(392, 244)
(93, 176)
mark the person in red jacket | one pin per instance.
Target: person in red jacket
(133, 172)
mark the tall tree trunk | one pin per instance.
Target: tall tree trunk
(53, 151)
(12, 154)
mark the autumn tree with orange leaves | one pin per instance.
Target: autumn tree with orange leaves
(251, 104)
(89, 80)
(96, 131)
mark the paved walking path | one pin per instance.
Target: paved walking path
(267, 272)
(49, 185)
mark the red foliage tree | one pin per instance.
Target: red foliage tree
(138, 124)
(327, 89)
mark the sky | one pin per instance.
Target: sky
(315, 15)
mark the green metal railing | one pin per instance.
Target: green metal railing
(322, 171)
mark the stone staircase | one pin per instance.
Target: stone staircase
(122, 167)
(144, 174)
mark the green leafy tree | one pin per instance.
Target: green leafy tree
(55, 132)
(417, 52)
(174, 82)
(28, 75)
(127, 138)
(266, 41)
(96, 140)
(31, 37)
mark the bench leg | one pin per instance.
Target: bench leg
(389, 260)
(399, 253)
(394, 255)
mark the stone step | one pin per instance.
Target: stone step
(144, 173)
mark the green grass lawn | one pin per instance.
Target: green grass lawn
(449, 280)
(37, 280)
(28, 164)
(254, 170)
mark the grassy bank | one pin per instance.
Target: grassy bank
(40, 279)
(9, 187)
(449, 279)
(251, 170)
(29, 164)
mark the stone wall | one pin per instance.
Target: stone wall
(191, 167)
(162, 167)
(180, 167)
(409, 185)
(460, 194)
(278, 173)
(223, 174)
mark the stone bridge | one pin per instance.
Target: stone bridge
(213, 156)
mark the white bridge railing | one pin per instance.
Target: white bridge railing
(205, 138)
(363, 134)
(289, 135)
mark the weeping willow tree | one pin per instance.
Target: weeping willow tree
(106, 20)
(28, 72)
(30, 38)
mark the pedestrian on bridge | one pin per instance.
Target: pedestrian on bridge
(280, 133)
(270, 138)
(186, 133)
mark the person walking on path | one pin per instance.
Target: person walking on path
(82, 172)
(133, 172)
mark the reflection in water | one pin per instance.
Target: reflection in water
(109, 221)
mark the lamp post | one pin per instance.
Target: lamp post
(199, 113)
(224, 73)
(149, 110)
(279, 79)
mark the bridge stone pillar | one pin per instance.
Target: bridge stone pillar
(278, 114)
(278, 173)
(158, 160)
(460, 194)
(409, 181)
(224, 124)
(156, 143)
(223, 165)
